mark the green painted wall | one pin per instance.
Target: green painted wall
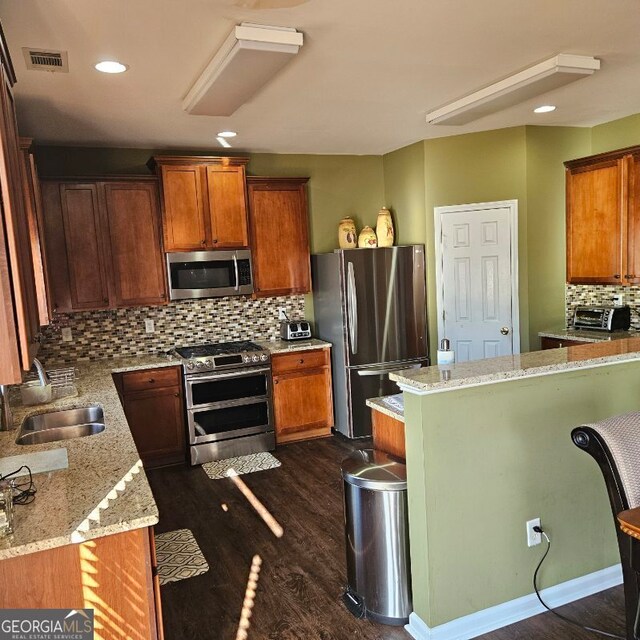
(483, 461)
(477, 167)
(546, 150)
(616, 134)
(404, 192)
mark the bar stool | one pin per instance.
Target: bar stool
(614, 443)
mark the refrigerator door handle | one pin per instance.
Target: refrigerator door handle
(381, 372)
(352, 307)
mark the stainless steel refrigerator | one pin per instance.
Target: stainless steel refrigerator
(370, 304)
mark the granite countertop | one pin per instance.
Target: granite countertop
(536, 363)
(393, 406)
(286, 346)
(586, 335)
(104, 490)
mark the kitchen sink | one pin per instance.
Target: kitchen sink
(61, 425)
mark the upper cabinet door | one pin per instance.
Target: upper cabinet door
(133, 222)
(17, 244)
(84, 244)
(632, 270)
(279, 236)
(227, 206)
(184, 223)
(596, 210)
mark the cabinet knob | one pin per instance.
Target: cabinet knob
(177, 394)
(301, 361)
(152, 380)
(215, 242)
(560, 345)
(105, 300)
(275, 382)
(616, 276)
(202, 242)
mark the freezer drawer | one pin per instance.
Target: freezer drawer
(371, 382)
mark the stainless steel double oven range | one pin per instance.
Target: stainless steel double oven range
(228, 400)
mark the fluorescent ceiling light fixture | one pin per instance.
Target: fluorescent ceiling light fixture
(247, 60)
(223, 142)
(533, 81)
(545, 108)
(111, 66)
(227, 134)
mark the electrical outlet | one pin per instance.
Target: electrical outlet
(618, 299)
(67, 336)
(533, 537)
(282, 313)
(149, 325)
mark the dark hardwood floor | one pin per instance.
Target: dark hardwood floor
(303, 573)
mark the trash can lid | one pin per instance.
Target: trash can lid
(375, 470)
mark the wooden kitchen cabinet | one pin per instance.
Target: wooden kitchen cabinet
(558, 343)
(103, 246)
(19, 318)
(125, 596)
(279, 235)
(204, 202)
(302, 398)
(153, 404)
(33, 205)
(603, 218)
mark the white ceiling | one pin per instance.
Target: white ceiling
(367, 74)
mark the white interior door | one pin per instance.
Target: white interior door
(478, 279)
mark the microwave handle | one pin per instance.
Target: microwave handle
(235, 268)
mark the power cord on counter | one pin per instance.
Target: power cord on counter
(555, 613)
(23, 492)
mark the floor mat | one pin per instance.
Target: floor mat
(241, 465)
(179, 556)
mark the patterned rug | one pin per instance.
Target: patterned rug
(241, 465)
(179, 556)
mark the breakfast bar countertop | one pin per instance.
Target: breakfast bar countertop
(104, 490)
(436, 379)
(587, 335)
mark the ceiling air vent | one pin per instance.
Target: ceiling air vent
(46, 60)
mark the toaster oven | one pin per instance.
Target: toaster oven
(603, 318)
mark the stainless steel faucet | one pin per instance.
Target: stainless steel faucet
(42, 374)
(6, 416)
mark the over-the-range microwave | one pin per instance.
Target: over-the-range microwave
(209, 274)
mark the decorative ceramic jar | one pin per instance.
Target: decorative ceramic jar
(347, 236)
(367, 238)
(384, 228)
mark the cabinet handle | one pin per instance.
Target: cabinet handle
(202, 241)
(560, 345)
(616, 276)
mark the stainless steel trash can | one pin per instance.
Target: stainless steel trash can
(376, 525)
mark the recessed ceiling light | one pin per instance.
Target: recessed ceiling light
(227, 134)
(545, 108)
(111, 66)
(223, 142)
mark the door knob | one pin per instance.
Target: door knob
(504, 331)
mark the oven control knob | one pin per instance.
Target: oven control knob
(189, 365)
(209, 363)
(264, 356)
(255, 358)
(200, 364)
(247, 358)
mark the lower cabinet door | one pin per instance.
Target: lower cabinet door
(303, 405)
(156, 420)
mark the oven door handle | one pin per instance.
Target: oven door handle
(235, 268)
(238, 373)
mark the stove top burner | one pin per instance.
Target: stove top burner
(217, 349)
(209, 357)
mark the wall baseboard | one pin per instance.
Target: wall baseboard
(501, 615)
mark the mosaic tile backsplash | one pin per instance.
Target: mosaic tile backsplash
(121, 332)
(598, 294)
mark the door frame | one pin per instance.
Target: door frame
(438, 212)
